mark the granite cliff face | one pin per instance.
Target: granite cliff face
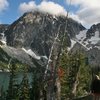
(37, 31)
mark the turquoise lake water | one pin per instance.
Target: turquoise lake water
(4, 79)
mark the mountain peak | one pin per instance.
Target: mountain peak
(36, 30)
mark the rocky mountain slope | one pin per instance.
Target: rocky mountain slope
(21, 57)
(90, 38)
(3, 27)
(37, 31)
(88, 41)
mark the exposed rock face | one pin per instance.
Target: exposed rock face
(94, 57)
(8, 53)
(93, 54)
(78, 47)
(88, 42)
(92, 30)
(3, 27)
(37, 31)
(90, 38)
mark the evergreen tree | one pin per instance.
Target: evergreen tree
(35, 91)
(76, 79)
(12, 93)
(64, 66)
(2, 94)
(84, 78)
(36, 85)
(24, 90)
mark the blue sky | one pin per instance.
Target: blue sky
(12, 13)
(86, 12)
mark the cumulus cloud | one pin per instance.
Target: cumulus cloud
(45, 6)
(3, 5)
(88, 12)
(75, 17)
(25, 7)
(52, 8)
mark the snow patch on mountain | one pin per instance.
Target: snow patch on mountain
(73, 42)
(89, 43)
(82, 35)
(3, 38)
(95, 39)
(97, 47)
(31, 53)
(83, 45)
(45, 57)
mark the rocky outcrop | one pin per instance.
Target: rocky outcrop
(92, 30)
(3, 27)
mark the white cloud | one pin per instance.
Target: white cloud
(45, 6)
(86, 3)
(3, 5)
(52, 8)
(25, 7)
(75, 17)
(88, 12)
